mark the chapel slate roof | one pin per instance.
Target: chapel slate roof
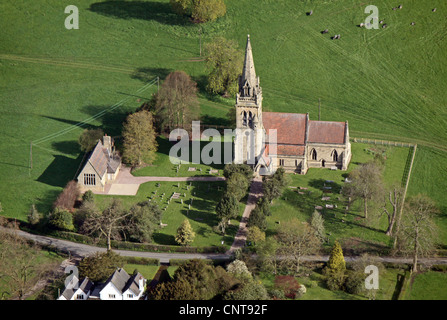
(102, 161)
(85, 287)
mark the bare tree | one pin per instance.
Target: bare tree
(176, 103)
(418, 233)
(395, 199)
(296, 239)
(366, 184)
(108, 224)
(19, 266)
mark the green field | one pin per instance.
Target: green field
(388, 83)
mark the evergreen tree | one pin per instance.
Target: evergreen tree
(336, 260)
(34, 215)
(185, 234)
(335, 268)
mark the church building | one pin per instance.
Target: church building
(299, 143)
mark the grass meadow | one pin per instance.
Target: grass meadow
(388, 83)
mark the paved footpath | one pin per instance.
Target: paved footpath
(128, 184)
(253, 196)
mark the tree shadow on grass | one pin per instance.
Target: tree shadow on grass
(142, 10)
(60, 171)
(164, 239)
(147, 74)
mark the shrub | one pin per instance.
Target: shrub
(289, 285)
(61, 219)
(88, 196)
(34, 215)
(67, 198)
(354, 282)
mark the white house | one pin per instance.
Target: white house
(119, 286)
(75, 291)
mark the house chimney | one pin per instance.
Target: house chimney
(107, 142)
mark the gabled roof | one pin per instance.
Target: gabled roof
(327, 132)
(98, 159)
(291, 127)
(123, 282)
(103, 161)
(85, 287)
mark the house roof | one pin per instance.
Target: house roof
(85, 287)
(327, 132)
(291, 127)
(103, 161)
(123, 282)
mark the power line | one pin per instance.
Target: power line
(96, 116)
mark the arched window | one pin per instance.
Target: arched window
(244, 118)
(313, 154)
(334, 156)
(250, 119)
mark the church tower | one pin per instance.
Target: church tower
(249, 128)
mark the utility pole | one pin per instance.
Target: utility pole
(30, 158)
(200, 40)
(319, 109)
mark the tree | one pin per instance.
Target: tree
(252, 290)
(239, 269)
(395, 199)
(34, 216)
(185, 234)
(257, 219)
(108, 224)
(255, 235)
(20, 267)
(208, 10)
(200, 10)
(176, 104)
(237, 185)
(224, 62)
(143, 220)
(100, 266)
(274, 185)
(317, 223)
(296, 239)
(67, 198)
(335, 268)
(139, 136)
(227, 208)
(89, 138)
(418, 233)
(61, 219)
(366, 184)
(232, 168)
(336, 260)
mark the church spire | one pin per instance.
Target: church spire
(248, 73)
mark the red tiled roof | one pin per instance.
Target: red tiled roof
(291, 127)
(326, 132)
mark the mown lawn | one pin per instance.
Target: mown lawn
(199, 202)
(428, 285)
(317, 290)
(345, 226)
